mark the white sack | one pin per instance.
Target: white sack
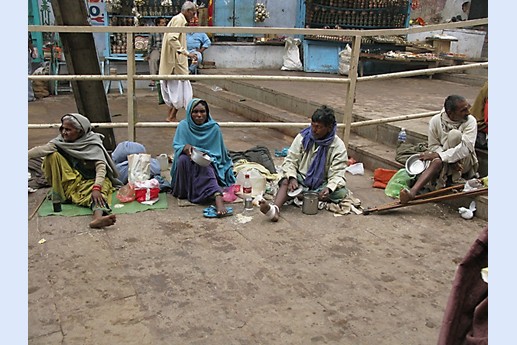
(139, 167)
(344, 60)
(292, 60)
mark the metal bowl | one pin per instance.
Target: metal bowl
(415, 166)
(295, 192)
(200, 158)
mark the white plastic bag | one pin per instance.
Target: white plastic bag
(139, 167)
(355, 169)
(292, 60)
(344, 60)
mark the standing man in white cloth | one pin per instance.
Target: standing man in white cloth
(174, 61)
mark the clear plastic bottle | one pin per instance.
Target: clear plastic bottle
(246, 186)
(402, 135)
(246, 191)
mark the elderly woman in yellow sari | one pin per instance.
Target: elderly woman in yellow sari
(79, 168)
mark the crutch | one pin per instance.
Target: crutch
(424, 198)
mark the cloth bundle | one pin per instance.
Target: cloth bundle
(381, 177)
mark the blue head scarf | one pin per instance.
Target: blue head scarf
(316, 173)
(206, 137)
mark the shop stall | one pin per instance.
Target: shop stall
(321, 53)
(134, 13)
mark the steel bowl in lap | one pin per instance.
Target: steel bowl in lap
(200, 158)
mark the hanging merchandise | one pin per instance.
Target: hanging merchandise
(261, 13)
(113, 6)
(137, 16)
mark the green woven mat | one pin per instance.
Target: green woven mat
(70, 210)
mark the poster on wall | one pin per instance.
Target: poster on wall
(96, 12)
(97, 17)
(46, 16)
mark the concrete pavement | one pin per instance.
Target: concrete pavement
(174, 277)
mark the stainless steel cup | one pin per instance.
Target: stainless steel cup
(310, 203)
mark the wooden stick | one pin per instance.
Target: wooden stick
(425, 195)
(424, 201)
(439, 191)
(39, 205)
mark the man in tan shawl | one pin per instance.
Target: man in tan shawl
(174, 61)
(452, 157)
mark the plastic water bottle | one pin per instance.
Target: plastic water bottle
(246, 190)
(246, 186)
(402, 135)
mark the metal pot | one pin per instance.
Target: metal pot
(310, 203)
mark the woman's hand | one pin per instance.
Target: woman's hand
(187, 149)
(98, 199)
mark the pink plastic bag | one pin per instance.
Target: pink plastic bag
(229, 193)
(126, 193)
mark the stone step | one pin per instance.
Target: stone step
(463, 78)
(248, 107)
(300, 105)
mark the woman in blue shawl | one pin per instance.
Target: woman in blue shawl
(189, 180)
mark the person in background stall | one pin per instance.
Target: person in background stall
(32, 55)
(464, 14)
(174, 61)
(197, 43)
(452, 156)
(316, 161)
(154, 48)
(189, 180)
(79, 168)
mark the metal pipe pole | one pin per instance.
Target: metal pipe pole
(245, 124)
(131, 96)
(350, 94)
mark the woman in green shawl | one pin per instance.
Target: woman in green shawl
(79, 168)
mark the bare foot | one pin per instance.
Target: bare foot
(103, 221)
(171, 114)
(219, 206)
(405, 196)
(270, 210)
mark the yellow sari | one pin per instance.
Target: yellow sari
(70, 185)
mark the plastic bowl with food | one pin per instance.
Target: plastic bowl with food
(200, 158)
(415, 166)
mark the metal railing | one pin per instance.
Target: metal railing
(350, 81)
